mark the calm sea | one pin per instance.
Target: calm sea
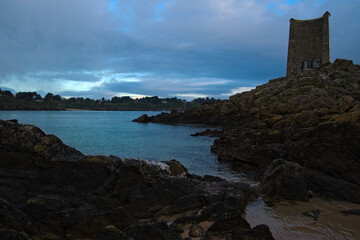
(113, 133)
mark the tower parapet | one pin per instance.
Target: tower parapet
(309, 44)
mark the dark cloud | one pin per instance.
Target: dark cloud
(97, 48)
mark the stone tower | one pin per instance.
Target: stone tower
(309, 44)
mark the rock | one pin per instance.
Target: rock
(51, 191)
(285, 179)
(259, 232)
(330, 186)
(185, 203)
(234, 227)
(148, 167)
(10, 234)
(176, 228)
(34, 141)
(111, 233)
(209, 178)
(143, 119)
(196, 231)
(152, 229)
(176, 168)
(351, 212)
(314, 214)
(224, 227)
(208, 132)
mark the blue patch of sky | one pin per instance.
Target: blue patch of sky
(274, 7)
(291, 2)
(319, 2)
(158, 11)
(112, 4)
(124, 14)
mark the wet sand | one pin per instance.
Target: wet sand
(287, 221)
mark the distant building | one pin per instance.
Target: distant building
(309, 44)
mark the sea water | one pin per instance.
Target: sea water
(114, 133)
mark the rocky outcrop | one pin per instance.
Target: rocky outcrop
(51, 191)
(312, 119)
(209, 133)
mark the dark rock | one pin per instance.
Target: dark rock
(196, 231)
(285, 179)
(143, 119)
(176, 168)
(206, 178)
(176, 228)
(185, 203)
(314, 214)
(259, 232)
(330, 186)
(351, 212)
(151, 169)
(208, 132)
(111, 233)
(10, 234)
(209, 178)
(224, 226)
(34, 141)
(152, 229)
(234, 227)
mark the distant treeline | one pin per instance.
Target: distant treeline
(34, 101)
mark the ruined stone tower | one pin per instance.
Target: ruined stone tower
(309, 44)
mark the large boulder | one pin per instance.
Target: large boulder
(236, 228)
(285, 179)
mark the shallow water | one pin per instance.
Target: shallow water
(286, 220)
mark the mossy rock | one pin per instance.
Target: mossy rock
(34, 202)
(275, 119)
(99, 159)
(278, 80)
(345, 118)
(273, 132)
(47, 236)
(39, 148)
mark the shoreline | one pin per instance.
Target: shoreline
(76, 109)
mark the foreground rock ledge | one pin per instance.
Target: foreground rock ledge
(51, 191)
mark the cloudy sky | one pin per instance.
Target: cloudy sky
(166, 48)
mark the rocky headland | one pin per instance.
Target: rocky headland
(312, 119)
(49, 190)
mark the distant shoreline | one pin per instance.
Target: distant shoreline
(83, 110)
(76, 109)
